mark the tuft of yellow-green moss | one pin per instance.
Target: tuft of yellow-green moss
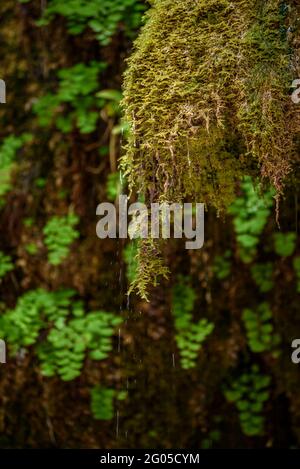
(149, 268)
(207, 96)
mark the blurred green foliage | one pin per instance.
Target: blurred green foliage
(69, 332)
(104, 17)
(112, 99)
(260, 330)
(75, 102)
(129, 256)
(8, 154)
(249, 392)
(31, 248)
(102, 402)
(21, 325)
(59, 233)
(262, 274)
(222, 265)
(113, 186)
(6, 264)
(285, 244)
(250, 213)
(68, 342)
(189, 335)
(213, 436)
(296, 264)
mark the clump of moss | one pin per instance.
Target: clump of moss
(265, 109)
(207, 97)
(206, 94)
(149, 268)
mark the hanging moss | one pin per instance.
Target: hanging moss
(207, 97)
(149, 267)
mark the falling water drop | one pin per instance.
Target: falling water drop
(128, 303)
(43, 6)
(119, 341)
(188, 156)
(117, 425)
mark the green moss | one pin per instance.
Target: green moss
(149, 268)
(206, 94)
